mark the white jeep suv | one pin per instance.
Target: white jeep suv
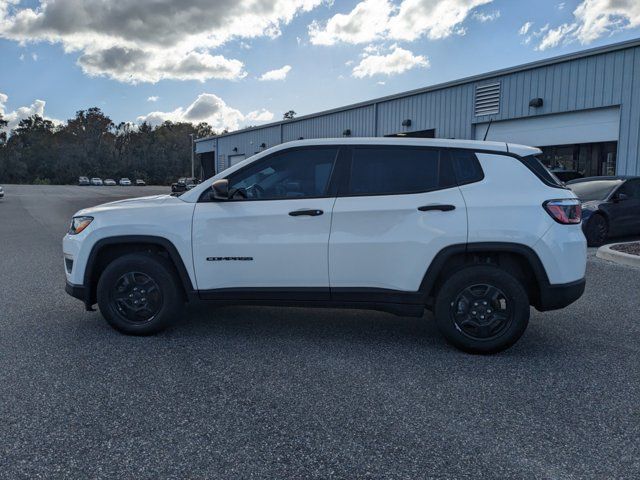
(476, 232)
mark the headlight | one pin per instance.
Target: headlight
(78, 224)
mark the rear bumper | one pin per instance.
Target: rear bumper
(554, 297)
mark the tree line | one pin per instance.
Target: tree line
(92, 145)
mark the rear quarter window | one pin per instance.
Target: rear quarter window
(534, 164)
(466, 167)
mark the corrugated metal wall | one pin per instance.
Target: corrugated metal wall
(596, 81)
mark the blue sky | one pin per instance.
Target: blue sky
(202, 60)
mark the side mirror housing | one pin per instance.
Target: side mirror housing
(620, 197)
(220, 189)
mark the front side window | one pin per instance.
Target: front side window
(392, 171)
(286, 175)
(631, 189)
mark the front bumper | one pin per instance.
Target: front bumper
(76, 291)
(554, 297)
(79, 292)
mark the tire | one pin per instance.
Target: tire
(470, 324)
(139, 294)
(597, 230)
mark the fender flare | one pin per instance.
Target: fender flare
(174, 256)
(441, 258)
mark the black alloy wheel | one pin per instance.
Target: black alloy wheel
(482, 309)
(481, 312)
(137, 297)
(140, 293)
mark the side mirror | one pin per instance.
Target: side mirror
(620, 197)
(220, 189)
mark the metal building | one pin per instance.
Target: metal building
(581, 109)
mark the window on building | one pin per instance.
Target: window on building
(569, 162)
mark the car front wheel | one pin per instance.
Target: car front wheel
(597, 231)
(482, 309)
(138, 293)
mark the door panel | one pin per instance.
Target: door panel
(397, 209)
(274, 230)
(625, 214)
(259, 244)
(387, 242)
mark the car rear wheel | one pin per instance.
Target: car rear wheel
(482, 309)
(597, 231)
(138, 294)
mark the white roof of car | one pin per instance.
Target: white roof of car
(521, 150)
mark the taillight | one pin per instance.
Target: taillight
(567, 211)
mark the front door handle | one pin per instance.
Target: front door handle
(442, 208)
(309, 213)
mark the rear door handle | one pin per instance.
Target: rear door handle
(309, 213)
(442, 208)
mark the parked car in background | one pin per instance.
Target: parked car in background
(84, 181)
(125, 182)
(1, 192)
(96, 181)
(183, 184)
(110, 182)
(140, 183)
(610, 207)
(476, 232)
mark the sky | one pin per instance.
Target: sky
(234, 63)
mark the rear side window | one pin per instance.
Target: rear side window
(466, 167)
(392, 171)
(534, 164)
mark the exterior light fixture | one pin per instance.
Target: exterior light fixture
(406, 123)
(263, 145)
(536, 102)
(347, 132)
(235, 149)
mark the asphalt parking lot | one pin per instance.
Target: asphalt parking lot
(250, 392)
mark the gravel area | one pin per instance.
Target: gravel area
(630, 248)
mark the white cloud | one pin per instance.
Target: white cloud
(153, 98)
(397, 61)
(34, 56)
(554, 36)
(366, 22)
(261, 115)
(20, 113)
(211, 109)
(150, 40)
(487, 17)
(278, 74)
(593, 19)
(372, 20)
(524, 29)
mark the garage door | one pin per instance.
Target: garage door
(588, 126)
(233, 159)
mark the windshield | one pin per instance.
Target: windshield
(596, 190)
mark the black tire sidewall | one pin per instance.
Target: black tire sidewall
(156, 267)
(513, 290)
(596, 242)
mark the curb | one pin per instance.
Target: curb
(607, 253)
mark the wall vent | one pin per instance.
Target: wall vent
(487, 99)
